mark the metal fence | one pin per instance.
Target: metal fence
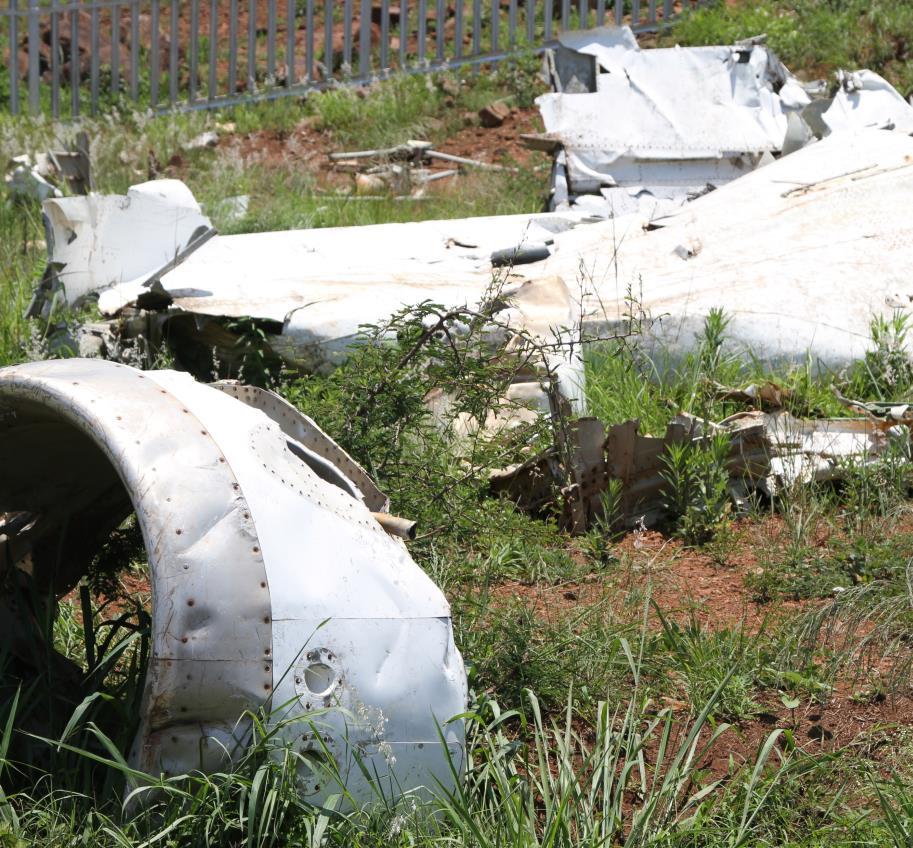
(63, 57)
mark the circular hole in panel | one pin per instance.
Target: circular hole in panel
(319, 678)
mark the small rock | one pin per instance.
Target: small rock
(494, 114)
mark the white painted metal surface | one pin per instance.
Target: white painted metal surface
(96, 241)
(800, 254)
(657, 125)
(272, 584)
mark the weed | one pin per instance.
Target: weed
(697, 481)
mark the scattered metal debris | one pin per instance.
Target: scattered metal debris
(277, 578)
(46, 175)
(402, 168)
(693, 120)
(770, 452)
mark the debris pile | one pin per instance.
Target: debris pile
(403, 170)
(635, 130)
(769, 453)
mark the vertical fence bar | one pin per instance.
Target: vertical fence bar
(75, 69)
(422, 30)
(440, 10)
(635, 13)
(458, 31)
(512, 23)
(155, 70)
(619, 12)
(651, 13)
(290, 32)
(548, 14)
(115, 48)
(667, 10)
(309, 43)
(600, 12)
(174, 37)
(233, 47)
(252, 45)
(495, 25)
(476, 27)
(271, 39)
(212, 80)
(364, 39)
(347, 35)
(403, 32)
(134, 50)
(566, 14)
(384, 35)
(583, 12)
(14, 57)
(55, 59)
(530, 21)
(34, 57)
(194, 49)
(93, 61)
(328, 38)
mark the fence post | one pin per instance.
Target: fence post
(290, 32)
(385, 35)
(155, 70)
(75, 69)
(194, 49)
(347, 35)
(233, 47)
(309, 46)
(422, 30)
(439, 14)
(55, 59)
(212, 77)
(271, 40)
(328, 39)
(173, 53)
(251, 46)
(34, 57)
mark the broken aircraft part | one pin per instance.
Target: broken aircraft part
(800, 255)
(644, 130)
(272, 583)
(694, 118)
(770, 452)
(97, 241)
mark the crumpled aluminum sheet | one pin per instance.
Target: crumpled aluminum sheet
(271, 584)
(662, 124)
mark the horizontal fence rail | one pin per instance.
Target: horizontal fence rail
(65, 57)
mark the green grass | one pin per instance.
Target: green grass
(813, 37)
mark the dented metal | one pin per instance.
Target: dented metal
(272, 583)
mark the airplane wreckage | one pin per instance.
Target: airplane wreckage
(278, 576)
(733, 186)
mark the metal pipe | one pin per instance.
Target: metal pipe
(393, 525)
